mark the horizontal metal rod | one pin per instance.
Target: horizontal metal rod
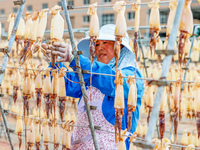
(85, 7)
(104, 74)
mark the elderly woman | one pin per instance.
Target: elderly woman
(103, 87)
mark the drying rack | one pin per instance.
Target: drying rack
(144, 143)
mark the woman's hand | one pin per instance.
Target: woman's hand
(64, 51)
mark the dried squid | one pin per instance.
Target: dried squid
(46, 134)
(122, 144)
(19, 129)
(154, 23)
(136, 6)
(30, 36)
(176, 105)
(132, 100)
(185, 27)
(16, 84)
(56, 136)
(149, 101)
(37, 135)
(94, 32)
(54, 92)
(10, 19)
(196, 88)
(47, 91)
(162, 115)
(41, 29)
(120, 29)
(119, 103)
(62, 92)
(57, 27)
(38, 88)
(31, 133)
(20, 33)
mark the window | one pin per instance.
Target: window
(2, 11)
(86, 19)
(131, 15)
(70, 2)
(15, 9)
(107, 19)
(86, 2)
(2, 25)
(29, 8)
(59, 4)
(72, 21)
(107, 1)
(196, 13)
(45, 5)
(163, 17)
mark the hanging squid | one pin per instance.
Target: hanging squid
(132, 138)
(54, 92)
(136, 6)
(56, 136)
(19, 129)
(154, 23)
(122, 144)
(30, 36)
(11, 20)
(94, 32)
(20, 33)
(165, 144)
(119, 103)
(196, 88)
(31, 133)
(184, 138)
(170, 21)
(132, 100)
(16, 84)
(120, 29)
(38, 88)
(47, 91)
(41, 29)
(26, 92)
(26, 96)
(162, 115)
(37, 135)
(185, 28)
(149, 101)
(176, 105)
(57, 28)
(66, 139)
(62, 92)
(46, 134)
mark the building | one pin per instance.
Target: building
(80, 19)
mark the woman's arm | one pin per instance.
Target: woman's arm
(104, 83)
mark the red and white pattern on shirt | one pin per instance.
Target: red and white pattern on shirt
(106, 141)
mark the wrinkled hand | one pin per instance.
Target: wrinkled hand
(64, 51)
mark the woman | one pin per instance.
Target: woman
(103, 87)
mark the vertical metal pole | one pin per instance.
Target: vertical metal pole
(140, 45)
(71, 35)
(6, 124)
(165, 70)
(4, 65)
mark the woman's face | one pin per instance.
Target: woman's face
(104, 51)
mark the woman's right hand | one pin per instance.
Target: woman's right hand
(64, 51)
